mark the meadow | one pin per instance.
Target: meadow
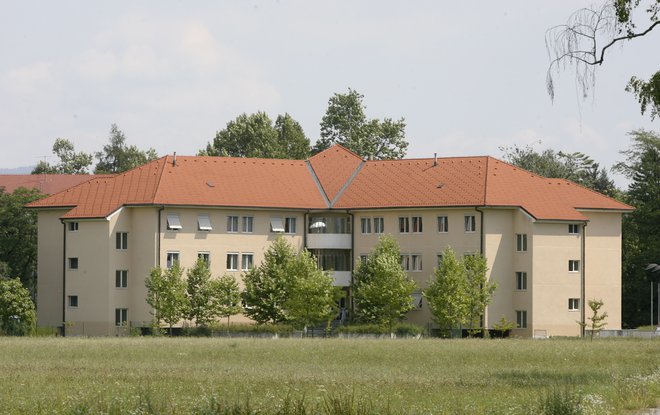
(142, 375)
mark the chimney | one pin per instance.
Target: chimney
(174, 160)
(435, 159)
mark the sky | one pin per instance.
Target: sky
(468, 77)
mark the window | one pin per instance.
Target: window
(379, 225)
(248, 224)
(290, 225)
(521, 242)
(172, 258)
(573, 265)
(573, 304)
(232, 262)
(573, 229)
(365, 225)
(121, 316)
(173, 222)
(439, 259)
(343, 224)
(333, 259)
(416, 262)
(417, 224)
(276, 224)
(364, 258)
(404, 225)
(521, 319)
(521, 281)
(470, 223)
(73, 301)
(73, 263)
(121, 241)
(405, 262)
(73, 226)
(318, 225)
(232, 224)
(247, 262)
(121, 278)
(204, 223)
(443, 224)
(417, 300)
(206, 256)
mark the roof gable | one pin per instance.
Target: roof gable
(334, 167)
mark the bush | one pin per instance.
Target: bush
(251, 328)
(399, 329)
(561, 402)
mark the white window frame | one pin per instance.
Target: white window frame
(247, 261)
(173, 222)
(121, 317)
(121, 241)
(470, 223)
(232, 224)
(417, 300)
(521, 319)
(573, 304)
(70, 301)
(204, 223)
(521, 242)
(247, 225)
(405, 262)
(416, 262)
(121, 278)
(290, 225)
(404, 224)
(443, 224)
(232, 261)
(170, 258)
(364, 258)
(573, 265)
(521, 281)
(206, 255)
(417, 224)
(573, 228)
(73, 226)
(365, 226)
(71, 261)
(276, 224)
(379, 225)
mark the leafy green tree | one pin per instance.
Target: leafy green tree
(118, 157)
(17, 314)
(597, 320)
(18, 235)
(382, 291)
(345, 123)
(255, 136)
(199, 293)
(582, 42)
(225, 297)
(166, 294)
(312, 299)
(479, 290)
(576, 167)
(641, 228)
(71, 162)
(447, 295)
(267, 286)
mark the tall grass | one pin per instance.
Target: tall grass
(325, 376)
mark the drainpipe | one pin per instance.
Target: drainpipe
(352, 260)
(481, 230)
(158, 240)
(63, 278)
(583, 270)
(305, 218)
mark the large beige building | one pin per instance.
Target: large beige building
(551, 245)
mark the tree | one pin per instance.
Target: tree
(381, 290)
(166, 294)
(576, 167)
(199, 293)
(345, 123)
(118, 157)
(70, 161)
(447, 293)
(479, 290)
(18, 235)
(17, 314)
(267, 286)
(582, 42)
(597, 320)
(255, 136)
(311, 299)
(641, 228)
(225, 297)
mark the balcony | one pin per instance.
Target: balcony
(341, 278)
(329, 241)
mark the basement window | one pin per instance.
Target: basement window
(276, 224)
(73, 301)
(173, 222)
(204, 223)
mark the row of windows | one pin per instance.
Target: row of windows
(247, 260)
(277, 224)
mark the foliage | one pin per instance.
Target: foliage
(641, 228)
(345, 123)
(581, 44)
(576, 167)
(252, 328)
(479, 290)
(597, 320)
(447, 293)
(267, 286)
(18, 235)
(225, 297)
(166, 294)
(561, 402)
(255, 136)
(70, 161)
(117, 157)
(381, 289)
(17, 313)
(503, 326)
(199, 293)
(400, 329)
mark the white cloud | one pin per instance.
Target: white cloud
(28, 79)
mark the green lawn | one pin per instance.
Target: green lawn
(186, 375)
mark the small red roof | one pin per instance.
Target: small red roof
(47, 184)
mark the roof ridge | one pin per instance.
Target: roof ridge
(92, 177)
(319, 186)
(160, 176)
(592, 191)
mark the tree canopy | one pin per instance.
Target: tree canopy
(166, 294)
(117, 156)
(17, 313)
(346, 123)
(71, 162)
(255, 136)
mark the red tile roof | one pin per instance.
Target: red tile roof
(48, 184)
(338, 174)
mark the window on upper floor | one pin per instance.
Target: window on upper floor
(521, 242)
(276, 224)
(72, 226)
(416, 260)
(73, 301)
(173, 222)
(417, 224)
(379, 225)
(206, 256)
(521, 281)
(404, 224)
(204, 223)
(470, 223)
(121, 316)
(73, 263)
(121, 278)
(247, 262)
(232, 224)
(290, 225)
(364, 258)
(405, 262)
(232, 262)
(365, 225)
(521, 319)
(443, 224)
(121, 241)
(573, 304)
(573, 265)
(573, 229)
(172, 258)
(248, 224)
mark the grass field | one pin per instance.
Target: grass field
(202, 375)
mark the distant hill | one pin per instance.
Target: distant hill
(18, 170)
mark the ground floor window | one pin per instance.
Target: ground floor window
(573, 304)
(521, 319)
(121, 316)
(73, 301)
(232, 262)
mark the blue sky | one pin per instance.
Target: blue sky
(467, 77)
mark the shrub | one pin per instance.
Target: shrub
(399, 329)
(561, 402)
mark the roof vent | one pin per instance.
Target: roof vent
(435, 159)
(174, 160)
(210, 184)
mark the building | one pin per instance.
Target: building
(550, 244)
